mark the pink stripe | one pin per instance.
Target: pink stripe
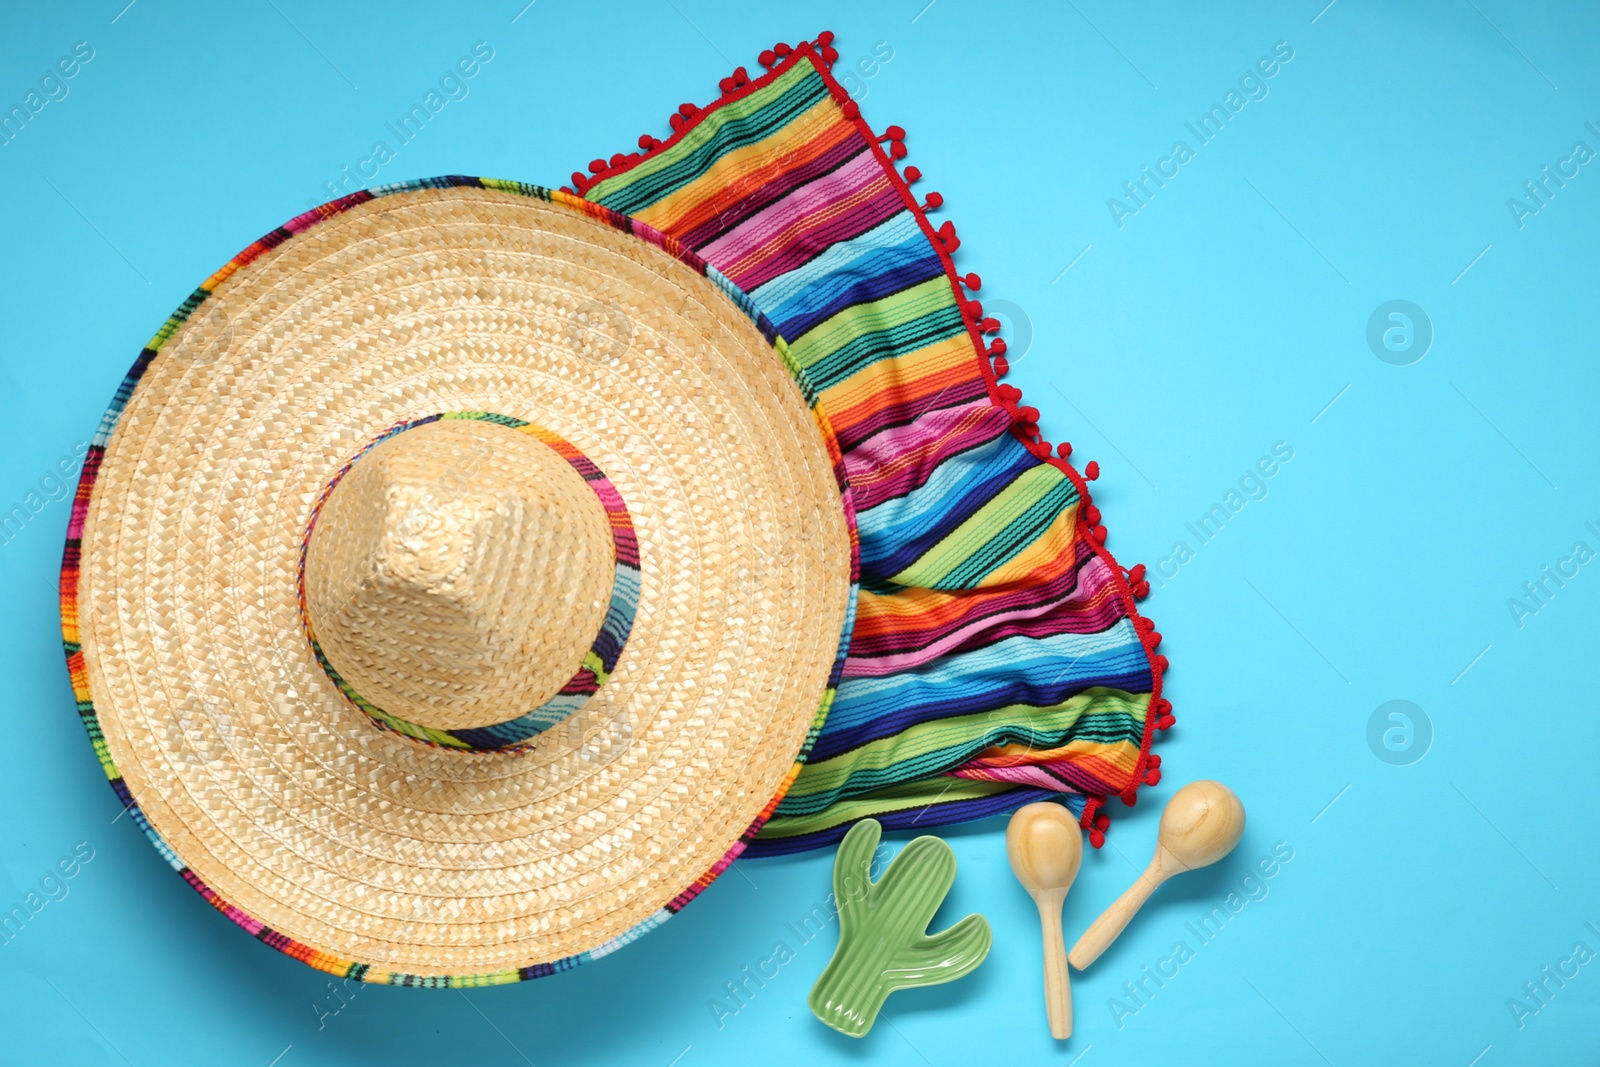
(931, 439)
(733, 247)
(1058, 617)
(610, 499)
(1030, 775)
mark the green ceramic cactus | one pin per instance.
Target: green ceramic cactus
(883, 939)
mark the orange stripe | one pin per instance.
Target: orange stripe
(677, 213)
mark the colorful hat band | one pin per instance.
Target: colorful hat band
(514, 733)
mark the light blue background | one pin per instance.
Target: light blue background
(1224, 316)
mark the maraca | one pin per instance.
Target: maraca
(1201, 824)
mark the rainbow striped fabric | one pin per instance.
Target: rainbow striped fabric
(997, 656)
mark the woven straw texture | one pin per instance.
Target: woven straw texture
(358, 850)
(460, 571)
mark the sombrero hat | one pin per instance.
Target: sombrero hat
(456, 581)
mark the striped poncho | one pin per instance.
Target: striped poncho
(998, 656)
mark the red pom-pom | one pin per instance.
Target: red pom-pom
(947, 234)
(1097, 838)
(1010, 393)
(912, 174)
(1161, 664)
(577, 181)
(998, 348)
(1152, 776)
(618, 159)
(1141, 590)
(825, 37)
(1092, 471)
(676, 120)
(933, 203)
(1102, 821)
(1136, 574)
(1143, 625)
(897, 150)
(781, 49)
(687, 110)
(988, 325)
(1064, 449)
(971, 281)
(1163, 706)
(1154, 641)
(727, 84)
(596, 166)
(1001, 366)
(1041, 449)
(1130, 799)
(741, 76)
(1099, 534)
(1092, 514)
(767, 58)
(851, 109)
(1028, 414)
(893, 133)
(1165, 722)
(646, 142)
(830, 56)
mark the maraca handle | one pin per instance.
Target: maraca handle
(1057, 986)
(1114, 919)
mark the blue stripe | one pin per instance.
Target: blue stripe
(897, 533)
(1041, 672)
(879, 263)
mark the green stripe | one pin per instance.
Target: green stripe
(897, 326)
(902, 797)
(981, 542)
(1018, 534)
(746, 121)
(931, 747)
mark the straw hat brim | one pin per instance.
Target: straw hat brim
(362, 852)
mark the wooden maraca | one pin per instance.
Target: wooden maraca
(1201, 824)
(1045, 847)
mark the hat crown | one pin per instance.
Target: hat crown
(457, 574)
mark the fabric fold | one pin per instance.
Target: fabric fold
(997, 655)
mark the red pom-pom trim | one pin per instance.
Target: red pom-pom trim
(1024, 420)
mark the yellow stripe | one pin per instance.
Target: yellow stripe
(1050, 553)
(980, 528)
(897, 309)
(905, 370)
(729, 170)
